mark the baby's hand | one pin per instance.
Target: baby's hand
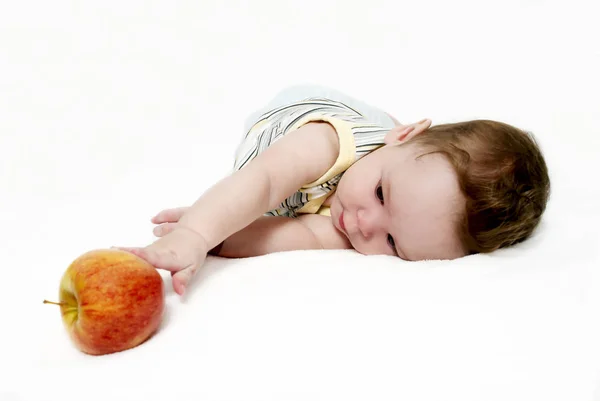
(182, 251)
(167, 220)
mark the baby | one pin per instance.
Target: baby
(317, 169)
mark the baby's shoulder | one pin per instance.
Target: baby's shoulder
(324, 231)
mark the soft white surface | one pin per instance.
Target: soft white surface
(111, 111)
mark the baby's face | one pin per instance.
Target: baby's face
(392, 203)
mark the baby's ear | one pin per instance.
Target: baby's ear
(403, 133)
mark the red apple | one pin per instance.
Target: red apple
(110, 301)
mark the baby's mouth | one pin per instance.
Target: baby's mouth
(341, 222)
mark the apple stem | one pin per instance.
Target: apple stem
(54, 303)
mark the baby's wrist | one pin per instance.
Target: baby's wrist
(197, 238)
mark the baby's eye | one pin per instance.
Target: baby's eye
(379, 193)
(391, 242)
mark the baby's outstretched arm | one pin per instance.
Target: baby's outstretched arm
(265, 235)
(236, 201)
(233, 203)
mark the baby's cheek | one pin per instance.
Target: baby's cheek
(365, 248)
(358, 248)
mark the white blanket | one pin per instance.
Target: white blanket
(112, 114)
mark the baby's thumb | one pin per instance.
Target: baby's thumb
(181, 279)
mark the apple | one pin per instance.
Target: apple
(110, 301)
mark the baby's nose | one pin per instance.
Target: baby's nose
(368, 223)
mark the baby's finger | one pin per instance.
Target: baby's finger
(125, 248)
(169, 215)
(164, 229)
(140, 252)
(166, 216)
(162, 259)
(181, 279)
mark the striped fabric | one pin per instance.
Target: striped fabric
(363, 135)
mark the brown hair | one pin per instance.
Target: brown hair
(501, 173)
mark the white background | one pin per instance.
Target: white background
(112, 111)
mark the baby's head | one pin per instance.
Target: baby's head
(444, 192)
